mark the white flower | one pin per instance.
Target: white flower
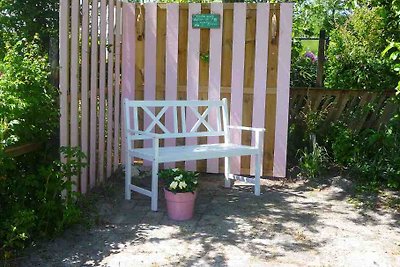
(178, 178)
(194, 182)
(175, 169)
(173, 185)
(182, 185)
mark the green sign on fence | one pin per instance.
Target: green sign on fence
(206, 21)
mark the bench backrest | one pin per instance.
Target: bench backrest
(178, 118)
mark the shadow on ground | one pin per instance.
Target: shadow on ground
(286, 224)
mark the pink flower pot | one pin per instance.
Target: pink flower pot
(180, 206)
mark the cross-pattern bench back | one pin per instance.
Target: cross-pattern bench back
(180, 118)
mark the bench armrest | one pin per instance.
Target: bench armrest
(258, 133)
(243, 128)
(141, 135)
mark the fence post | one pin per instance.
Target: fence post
(321, 59)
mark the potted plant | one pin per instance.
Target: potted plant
(180, 192)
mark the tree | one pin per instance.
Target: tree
(310, 16)
(25, 18)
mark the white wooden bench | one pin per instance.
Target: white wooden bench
(179, 128)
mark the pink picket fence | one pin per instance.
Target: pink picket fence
(111, 50)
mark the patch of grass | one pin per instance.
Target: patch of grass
(310, 45)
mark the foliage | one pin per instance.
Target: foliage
(371, 155)
(312, 16)
(344, 149)
(354, 54)
(178, 180)
(307, 142)
(313, 162)
(303, 72)
(28, 105)
(26, 18)
(358, 31)
(31, 185)
(394, 49)
(37, 199)
(390, 14)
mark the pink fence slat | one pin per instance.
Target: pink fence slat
(150, 61)
(260, 71)
(238, 51)
(102, 86)
(85, 90)
(74, 81)
(110, 81)
(74, 72)
(93, 94)
(193, 53)
(214, 84)
(128, 62)
(64, 73)
(282, 101)
(171, 75)
(117, 85)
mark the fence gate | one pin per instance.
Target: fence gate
(110, 50)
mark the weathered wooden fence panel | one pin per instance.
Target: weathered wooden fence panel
(363, 109)
(111, 50)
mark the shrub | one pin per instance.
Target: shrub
(303, 72)
(354, 54)
(344, 147)
(31, 185)
(393, 49)
(28, 107)
(32, 201)
(370, 155)
(307, 141)
(313, 162)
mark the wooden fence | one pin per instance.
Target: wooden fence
(362, 109)
(111, 50)
(23, 149)
(336, 104)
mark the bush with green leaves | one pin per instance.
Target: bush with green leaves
(312, 162)
(28, 107)
(31, 185)
(307, 142)
(178, 180)
(37, 199)
(303, 72)
(354, 54)
(393, 52)
(370, 155)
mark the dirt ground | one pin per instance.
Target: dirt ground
(290, 224)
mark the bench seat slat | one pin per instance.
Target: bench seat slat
(183, 153)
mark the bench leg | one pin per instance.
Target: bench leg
(227, 172)
(257, 174)
(154, 186)
(128, 178)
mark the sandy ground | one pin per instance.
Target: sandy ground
(290, 224)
